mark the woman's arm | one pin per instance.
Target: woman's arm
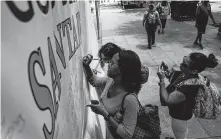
(211, 16)
(210, 13)
(93, 79)
(172, 98)
(88, 71)
(144, 18)
(127, 127)
(169, 8)
(158, 19)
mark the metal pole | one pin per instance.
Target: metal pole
(97, 17)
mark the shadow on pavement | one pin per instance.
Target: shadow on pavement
(218, 37)
(191, 46)
(142, 46)
(110, 6)
(130, 28)
(117, 6)
(135, 12)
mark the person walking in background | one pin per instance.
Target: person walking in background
(179, 98)
(150, 21)
(203, 12)
(123, 79)
(163, 9)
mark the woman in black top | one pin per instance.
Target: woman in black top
(181, 101)
(203, 12)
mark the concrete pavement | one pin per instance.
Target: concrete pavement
(124, 27)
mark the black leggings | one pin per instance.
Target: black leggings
(163, 22)
(151, 29)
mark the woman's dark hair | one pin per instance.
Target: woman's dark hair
(109, 50)
(164, 3)
(200, 61)
(205, 2)
(130, 69)
(151, 6)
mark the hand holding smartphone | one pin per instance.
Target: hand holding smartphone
(162, 70)
(164, 66)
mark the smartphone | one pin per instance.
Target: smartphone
(164, 67)
(94, 102)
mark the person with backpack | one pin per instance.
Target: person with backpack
(181, 94)
(150, 21)
(203, 12)
(163, 9)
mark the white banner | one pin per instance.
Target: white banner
(44, 91)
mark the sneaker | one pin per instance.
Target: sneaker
(149, 46)
(154, 45)
(201, 46)
(196, 43)
(159, 31)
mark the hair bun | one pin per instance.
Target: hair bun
(212, 62)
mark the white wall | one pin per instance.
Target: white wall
(44, 91)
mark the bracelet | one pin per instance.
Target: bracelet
(107, 117)
(161, 83)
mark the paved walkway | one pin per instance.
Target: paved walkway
(170, 48)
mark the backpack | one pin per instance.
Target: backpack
(148, 121)
(208, 99)
(151, 18)
(159, 9)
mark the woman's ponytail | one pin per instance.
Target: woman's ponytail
(212, 62)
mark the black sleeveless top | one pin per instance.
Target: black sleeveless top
(183, 110)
